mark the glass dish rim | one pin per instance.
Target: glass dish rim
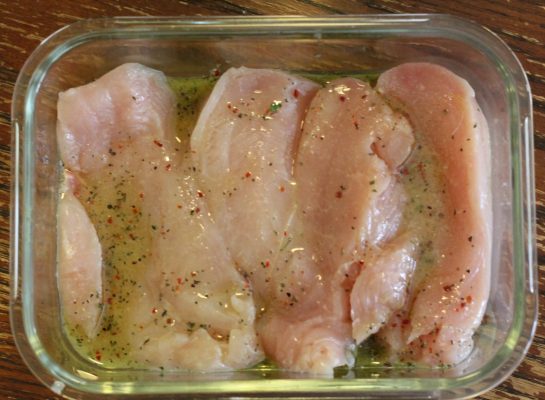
(71, 36)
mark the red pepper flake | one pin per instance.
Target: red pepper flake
(282, 189)
(158, 143)
(463, 304)
(216, 72)
(154, 310)
(109, 300)
(168, 167)
(228, 105)
(361, 263)
(98, 356)
(109, 220)
(141, 195)
(404, 171)
(342, 98)
(200, 194)
(267, 264)
(179, 206)
(420, 167)
(406, 321)
(469, 299)
(285, 233)
(117, 277)
(135, 210)
(197, 210)
(169, 321)
(356, 125)
(248, 174)
(295, 93)
(339, 194)
(179, 280)
(448, 288)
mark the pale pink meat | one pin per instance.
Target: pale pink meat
(278, 226)
(191, 309)
(340, 184)
(381, 288)
(131, 101)
(244, 144)
(450, 303)
(80, 265)
(197, 281)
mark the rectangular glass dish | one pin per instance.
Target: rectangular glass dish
(190, 47)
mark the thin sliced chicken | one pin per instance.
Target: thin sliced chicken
(450, 303)
(129, 101)
(80, 266)
(188, 306)
(381, 288)
(244, 145)
(197, 281)
(340, 183)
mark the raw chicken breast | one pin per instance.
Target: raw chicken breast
(340, 184)
(130, 101)
(175, 297)
(450, 303)
(342, 168)
(244, 145)
(80, 266)
(198, 285)
(381, 288)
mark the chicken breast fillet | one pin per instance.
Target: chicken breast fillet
(450, 303)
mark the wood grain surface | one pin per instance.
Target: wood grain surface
(23, 24)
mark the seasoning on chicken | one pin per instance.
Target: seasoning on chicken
(174, 298)
(449, 304)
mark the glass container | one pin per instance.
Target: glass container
(185, 47)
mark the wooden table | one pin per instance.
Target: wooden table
(23, 24)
